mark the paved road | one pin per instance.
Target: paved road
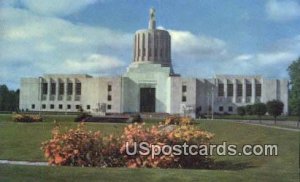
(283, 125)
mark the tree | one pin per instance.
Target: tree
(9, 99)
(248, 109)
(241, 111)
(275, 108)
(294, 99)
(259, 109)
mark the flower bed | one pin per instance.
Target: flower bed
(27, 118)
(79, 147)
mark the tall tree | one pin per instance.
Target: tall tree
(275, 108)
(4, 92)
(9, 99)
(259, 109)
(294, 100)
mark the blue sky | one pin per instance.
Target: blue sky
(95, 36)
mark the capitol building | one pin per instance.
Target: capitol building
(149, 85)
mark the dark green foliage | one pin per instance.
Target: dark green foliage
(275, 108)
(248, 109)
(259, 109)
(9, 99)
(294, 99)
(241, 111)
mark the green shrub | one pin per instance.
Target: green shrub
(249, 110)
(241, 111)
(259, 109)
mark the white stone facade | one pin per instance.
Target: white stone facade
(149, 85)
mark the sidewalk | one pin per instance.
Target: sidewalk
(26, 163)
(284, 125)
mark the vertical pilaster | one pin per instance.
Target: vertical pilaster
(225, 88)
(65, 89)
(57, 89)
(253, 90)
(234, 91)
(244, 90)
(48, 89)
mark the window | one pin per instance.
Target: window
(51, 106)
(88, 107)
(108, 107)
(77, 106)
(221, 90)
(109, 88)
(70, 89)
(45, 88)
(183, 88)
(60, 106)
(258, 90)
(69, 106)
(183, 98)
(32, 106)
(230, 109)
(53, 89)
(155, 52)
(221, 108)
(248, 90)
(239, 90)
(230, 90)
(61, 89)
(78, 88)
(44, 106)
(109, 97)
(150, 52)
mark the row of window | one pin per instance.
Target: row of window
(68, 106)
(109, 89)
(229, 109)
(239, 90)
(61, 88)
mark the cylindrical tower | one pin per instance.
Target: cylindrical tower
(152, 45)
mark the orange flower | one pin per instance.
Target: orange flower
(58, 159)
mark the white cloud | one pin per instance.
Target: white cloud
(31, 45)
(56, 7)
(271, 63)
(93, 64)
(283, 10)
(187, 44)
(243, 57)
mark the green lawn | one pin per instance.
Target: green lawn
(21, 141)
